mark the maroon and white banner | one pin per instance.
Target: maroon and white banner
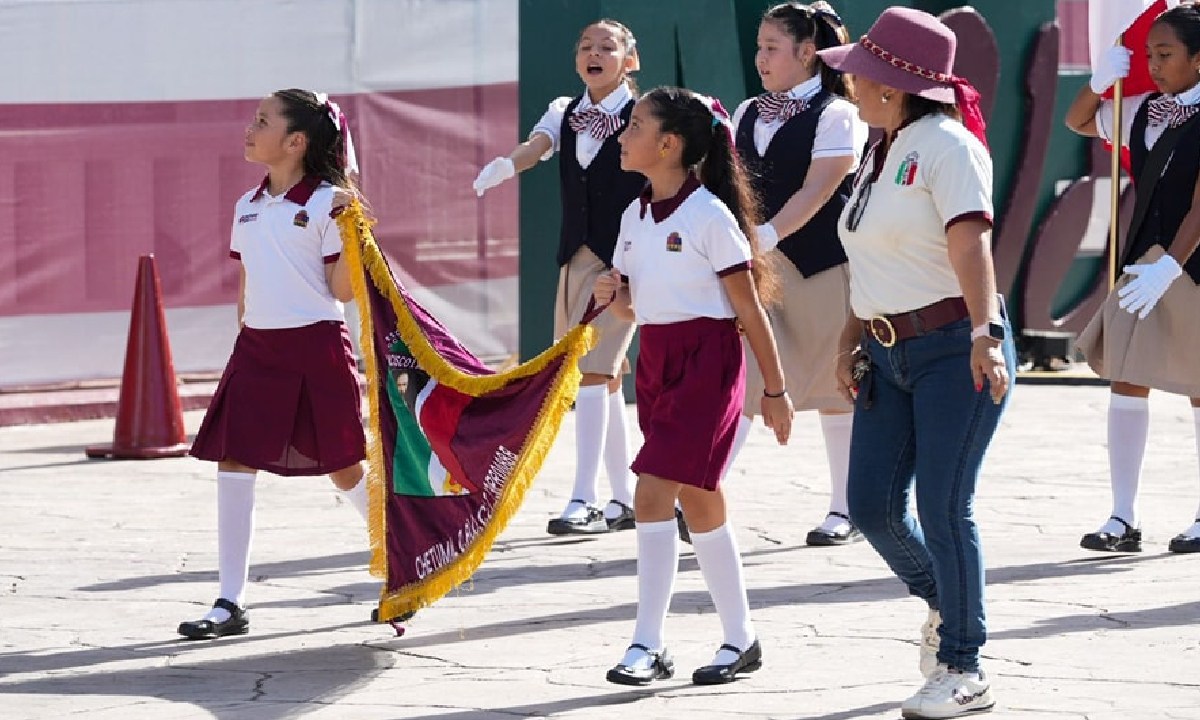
(121, 135)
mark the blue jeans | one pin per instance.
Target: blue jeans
(919, 416)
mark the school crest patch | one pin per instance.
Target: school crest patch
(674, 243)
(907, 173)
(248, 217)
(301, 219)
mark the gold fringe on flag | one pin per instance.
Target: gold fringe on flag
(366, 260)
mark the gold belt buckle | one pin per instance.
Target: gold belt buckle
(877, 332)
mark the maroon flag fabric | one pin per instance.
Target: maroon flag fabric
(452, 445)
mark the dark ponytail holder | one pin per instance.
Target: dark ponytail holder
(833, 20)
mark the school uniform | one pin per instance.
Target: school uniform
(595, 191)
(777, 147)
(1160, 350)
(691, 369)
(288, 401)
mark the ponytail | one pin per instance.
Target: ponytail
(328, 152)
(708, 148)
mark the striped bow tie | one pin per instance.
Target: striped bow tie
(778, 106)
(598, 123)
(1166, 110)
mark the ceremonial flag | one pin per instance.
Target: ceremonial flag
(1129, 21)
(452, 445)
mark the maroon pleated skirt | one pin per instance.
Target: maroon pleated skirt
(690, 383)
(288, 403)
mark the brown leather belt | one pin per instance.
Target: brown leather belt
(891, 329)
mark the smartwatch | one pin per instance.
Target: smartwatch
(994, 330)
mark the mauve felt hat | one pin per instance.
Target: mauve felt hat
(906, 49)
(911, 51)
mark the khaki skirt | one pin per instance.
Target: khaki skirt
(808, 323)
(1162, 351)
(576, 280)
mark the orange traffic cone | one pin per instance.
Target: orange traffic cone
(149, 417)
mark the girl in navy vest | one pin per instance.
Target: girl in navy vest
(684, 268)
(801, 142)
(288, 401)
(1147, 334)
(595, 190)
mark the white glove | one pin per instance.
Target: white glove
(767, 237)
(492, 174)
(1149, 284)
(1113, 65)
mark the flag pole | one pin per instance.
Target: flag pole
(1115, 190)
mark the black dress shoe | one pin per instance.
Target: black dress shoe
(1183, 544)
(592, 523)
(684, 534)
(624, 521)
(237, 624)
(661, 667)
(1128, 541)
(819, 537)
(748, 661)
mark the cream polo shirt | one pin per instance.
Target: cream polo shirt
(1129, 108)
(935, 174)
(284, 243)
(674, 253)
(586, 146)
(840, 132)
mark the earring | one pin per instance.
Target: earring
(885, 99)
(662, 152)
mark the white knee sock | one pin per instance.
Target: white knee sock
(1194, 530)
(1128, 427)
(591, 421)
(235, 530)
(717, 554)
(657, 565)
(357, 498)
(739, 439)
(616, 454)
(837, 430)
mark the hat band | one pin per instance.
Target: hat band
(902, 64)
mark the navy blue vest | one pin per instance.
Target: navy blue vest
(1172, 197)
(779, 174)
(593, 199)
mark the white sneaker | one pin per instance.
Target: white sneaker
(931, 640)
(950, 693)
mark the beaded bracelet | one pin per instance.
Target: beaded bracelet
(779, 394)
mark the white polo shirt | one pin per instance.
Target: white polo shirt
(840, 132)
(935, 174)
(674, 253)
(586, 146)
(284, 243)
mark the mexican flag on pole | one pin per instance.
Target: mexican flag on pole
(452, 445)
(1128, 21)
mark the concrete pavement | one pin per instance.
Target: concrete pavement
(100, 560)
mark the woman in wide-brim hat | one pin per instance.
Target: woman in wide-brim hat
(928, 352)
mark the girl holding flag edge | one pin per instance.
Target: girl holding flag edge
(1147, 333)
(288, 402)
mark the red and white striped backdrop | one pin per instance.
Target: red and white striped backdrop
(120, 134)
